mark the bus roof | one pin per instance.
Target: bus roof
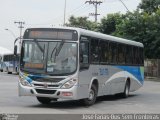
(98, 35)
(110, 38)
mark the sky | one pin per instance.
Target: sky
(49, 13)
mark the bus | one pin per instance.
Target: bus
(1, 68)
(9, 63)
(68, 63)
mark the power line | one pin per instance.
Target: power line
(83, 10)
(61, 17)
(124, 5)
(95, 3)
(76, 9)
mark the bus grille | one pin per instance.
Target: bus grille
(49, 79)
(42, 85)
(41, 91)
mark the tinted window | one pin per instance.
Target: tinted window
(129, 54)
(112, 52)
(94, 51)
(141, 56)
(103, 47)
(84, 51)
(135, 55)
(121, 54)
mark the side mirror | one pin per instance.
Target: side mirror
(15, 50)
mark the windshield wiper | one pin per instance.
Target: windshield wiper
(41, 49)
(59, 48)
(55, 48)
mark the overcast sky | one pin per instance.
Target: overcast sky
(48, 13)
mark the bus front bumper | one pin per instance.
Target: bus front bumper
(51, 93)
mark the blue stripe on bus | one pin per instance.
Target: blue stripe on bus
(135, 71)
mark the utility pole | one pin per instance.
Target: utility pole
(20, 27)
(64, 13)
(95, 3)
(20, 23)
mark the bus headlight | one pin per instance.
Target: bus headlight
(69, 83)
(24, 82)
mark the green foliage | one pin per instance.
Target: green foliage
(149, 6)
(82, 22)
(142, 25)
(108, 23)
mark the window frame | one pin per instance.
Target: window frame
(84, 66)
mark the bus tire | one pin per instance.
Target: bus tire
(125, 94)
(92, 96)
(1, 70)
(8, 71)
(44, 100)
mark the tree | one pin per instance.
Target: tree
(108, 23)
(142, 27)
(149, 6)
(82, 22)
(131, 27)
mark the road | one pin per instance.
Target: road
(145, 100)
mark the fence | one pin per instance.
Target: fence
(152, 68)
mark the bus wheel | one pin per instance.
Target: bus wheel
(44, 100)
(125, 94)
(92, 96)
(9, 72)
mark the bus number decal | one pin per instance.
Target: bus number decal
(103, 71)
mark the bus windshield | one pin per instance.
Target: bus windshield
(52, 57)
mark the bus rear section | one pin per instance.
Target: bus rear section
(10, 63)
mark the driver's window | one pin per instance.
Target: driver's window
(84, 52)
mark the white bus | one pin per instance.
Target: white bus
(9, 63)
(1, 65)
(77, 64)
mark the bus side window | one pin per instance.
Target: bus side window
(103, 51)
(121, 53)
(141, 56)
(113, 53)
(94, 51)
(84, 54)
(136, 56)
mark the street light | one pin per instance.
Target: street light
(11, 32)
(16, 39)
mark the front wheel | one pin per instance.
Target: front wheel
(9, 72)
(44, 100)
(92, 96)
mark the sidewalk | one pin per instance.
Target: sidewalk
(156, 79)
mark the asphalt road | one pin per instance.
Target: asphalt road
(145, 100)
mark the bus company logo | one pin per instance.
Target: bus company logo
(45, 85)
